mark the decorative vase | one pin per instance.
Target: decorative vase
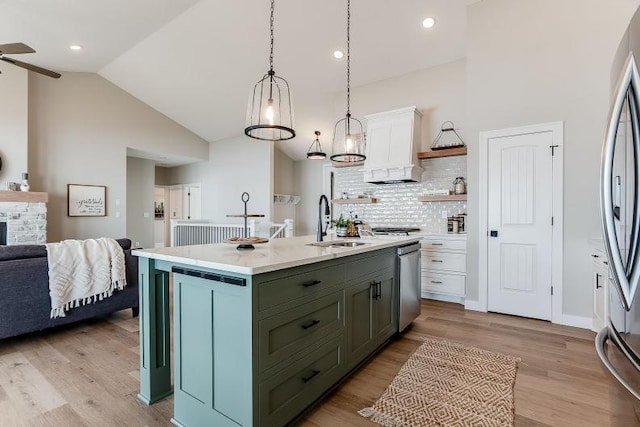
(25, 183)
(341, 231)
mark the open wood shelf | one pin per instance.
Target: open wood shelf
(358, 201)
(445, 152)
(443, 198)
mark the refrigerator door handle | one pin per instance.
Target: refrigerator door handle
(601, 338)
(625, 277)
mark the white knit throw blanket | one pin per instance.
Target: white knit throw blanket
(83, 272)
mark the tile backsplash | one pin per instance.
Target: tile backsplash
(398, 204)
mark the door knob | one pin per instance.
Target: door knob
(493, 233)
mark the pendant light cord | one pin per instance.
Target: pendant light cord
(348, 58)
(271, 39)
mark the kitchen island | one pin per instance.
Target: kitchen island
(260, 335)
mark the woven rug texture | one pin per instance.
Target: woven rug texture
(449, 384)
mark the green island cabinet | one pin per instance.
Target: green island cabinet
(257, 350)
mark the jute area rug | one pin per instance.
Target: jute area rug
(449, 384)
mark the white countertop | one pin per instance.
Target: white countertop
(277, 254)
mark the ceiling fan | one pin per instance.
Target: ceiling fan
(17, 48)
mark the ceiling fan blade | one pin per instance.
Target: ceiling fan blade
(15, 48)
(31, 67)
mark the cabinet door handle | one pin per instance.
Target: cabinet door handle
(598, 285)
(310, 324)
(379, 295)
(436, 282)
(311, 283)
(310, 377)
(605, 262)
(436, 260)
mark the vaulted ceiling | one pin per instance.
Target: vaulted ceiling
(196, 61)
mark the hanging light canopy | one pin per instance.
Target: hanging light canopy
(348, 135)
(270, 115)
(315, 149)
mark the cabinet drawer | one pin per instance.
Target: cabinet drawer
(443, 244)
(364, 266)
(442, 283)
(444, 261)
(294, 330)
(287, 393)
(274, 292)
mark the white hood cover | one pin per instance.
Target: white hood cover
(393, 141)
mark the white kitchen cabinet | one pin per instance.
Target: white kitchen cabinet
(444, 271)
(600, 282)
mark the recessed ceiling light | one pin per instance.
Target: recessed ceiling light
(428, 22)
(75, 47)
(338, 54)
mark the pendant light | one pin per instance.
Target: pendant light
(348, 135)
(270, 115)
(315, 149)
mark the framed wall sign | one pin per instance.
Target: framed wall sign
(86, 200)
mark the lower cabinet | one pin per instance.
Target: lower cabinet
(371, 315)
(600, 279)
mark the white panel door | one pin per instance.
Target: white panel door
(175, 202)
(519, 222)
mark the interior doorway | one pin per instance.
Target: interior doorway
(521, 221)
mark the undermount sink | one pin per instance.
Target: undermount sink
(348, 244)
(338, 244)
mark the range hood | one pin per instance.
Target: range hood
(393, 142)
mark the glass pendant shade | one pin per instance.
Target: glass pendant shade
(348, 141)
(270, 115)
(315, 149)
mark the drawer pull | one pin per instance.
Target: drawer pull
(436, 244)
(595, 256)
(310, 324)
(436, 282)
(310, 377)
(311, 283)
(605, 262)
(436, 260)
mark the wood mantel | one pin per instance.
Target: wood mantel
(24, 196)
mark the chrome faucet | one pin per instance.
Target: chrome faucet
(322, 232)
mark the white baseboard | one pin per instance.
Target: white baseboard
(576, 321)
(473, 305)
(441, 297)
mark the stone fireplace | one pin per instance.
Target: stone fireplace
(24, 215)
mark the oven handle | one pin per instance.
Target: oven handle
(601, 338)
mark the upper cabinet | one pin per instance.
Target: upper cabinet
(393, 142)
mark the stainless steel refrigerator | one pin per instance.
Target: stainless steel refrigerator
(618, 344)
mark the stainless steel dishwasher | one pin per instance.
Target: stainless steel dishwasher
(409, 273)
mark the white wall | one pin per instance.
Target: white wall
(236, 165)
(282, 173)
(79, 129)
(540, 61)
(140, 198)
(438, 92)
(13, 124)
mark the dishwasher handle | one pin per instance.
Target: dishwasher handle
(403, 250)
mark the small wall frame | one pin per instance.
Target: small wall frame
(86, 200)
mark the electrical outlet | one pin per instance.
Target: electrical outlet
(444, 214)
(137, 244)
(117, 214)
(146, 215)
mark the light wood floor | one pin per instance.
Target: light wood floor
(86, 374)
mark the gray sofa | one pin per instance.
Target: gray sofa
(25, 305)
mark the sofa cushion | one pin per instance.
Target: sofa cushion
(22, 252)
